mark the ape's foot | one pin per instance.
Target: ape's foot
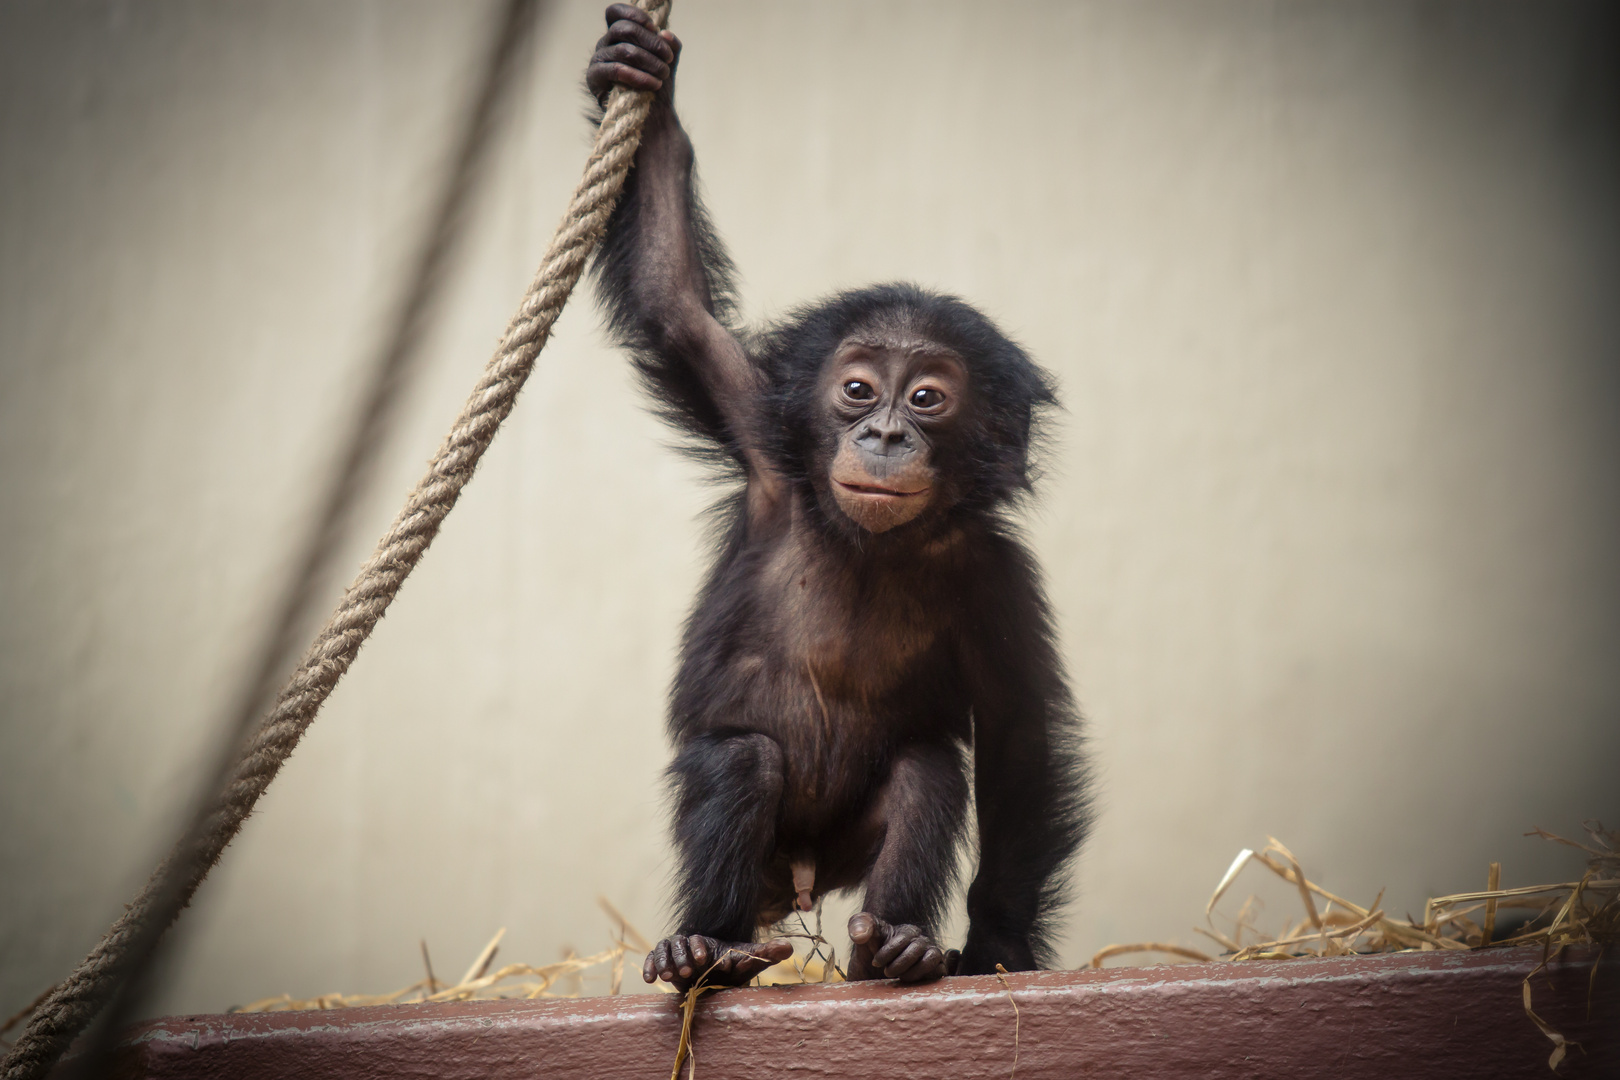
(899, 952)
(984, 953)
(683, 959)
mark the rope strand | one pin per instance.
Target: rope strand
(77, 1002)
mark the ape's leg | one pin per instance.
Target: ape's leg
(727, 790)
(920, 813)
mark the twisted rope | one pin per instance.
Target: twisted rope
(76, 1003)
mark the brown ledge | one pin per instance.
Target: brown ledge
(1437, 1014)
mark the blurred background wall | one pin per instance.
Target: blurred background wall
(1329, 520)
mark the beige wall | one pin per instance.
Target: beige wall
(1330, 520)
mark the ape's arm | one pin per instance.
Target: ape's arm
(661, 272)
(1028, 782)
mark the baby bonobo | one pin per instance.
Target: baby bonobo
(870, 615)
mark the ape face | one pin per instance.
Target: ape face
(889, 401)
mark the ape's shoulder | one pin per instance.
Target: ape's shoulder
(997, 547)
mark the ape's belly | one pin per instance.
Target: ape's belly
(835, 754)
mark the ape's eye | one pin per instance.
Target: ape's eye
(856, 390)
(927, 397)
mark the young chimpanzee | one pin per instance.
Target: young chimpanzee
(870, 614)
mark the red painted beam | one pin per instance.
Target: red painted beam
(1449, 1014)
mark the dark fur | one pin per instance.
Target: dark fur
(669, 376)
(833, 722)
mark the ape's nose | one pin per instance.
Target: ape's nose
(885, 438)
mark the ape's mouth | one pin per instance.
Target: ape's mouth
(875, 491)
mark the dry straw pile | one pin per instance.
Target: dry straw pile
(815, 962)
(1560, 914)
(1554, 916)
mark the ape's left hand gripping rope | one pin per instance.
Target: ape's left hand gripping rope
(74, 1004)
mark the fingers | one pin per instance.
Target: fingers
(626, 64)
(639, 37)
(682, 955)
(632, 54)
(746, 961)
(635, 59)
(601, 78)
(774, 952)
(622, 12)
(658, 964)
(624, 17)
(901, 952)
(865, 928)
(673, 959)
(922, 960)
(906, 959)
(900, 937)
(682, 959)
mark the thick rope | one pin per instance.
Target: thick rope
(82, 996)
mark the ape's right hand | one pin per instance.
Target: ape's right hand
(683, 959)
(634, 55)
